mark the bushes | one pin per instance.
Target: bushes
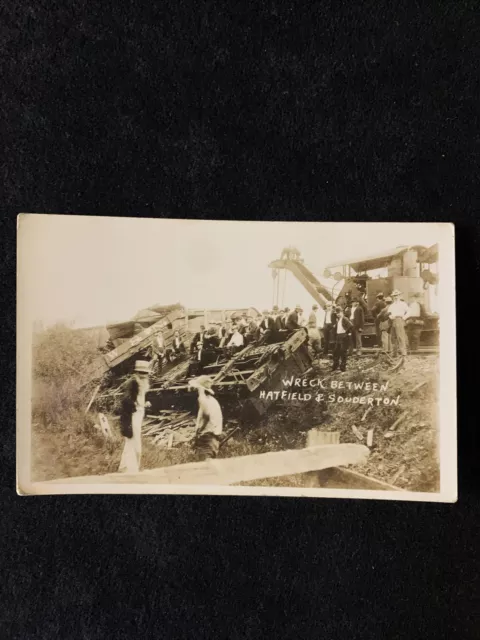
(59, 355)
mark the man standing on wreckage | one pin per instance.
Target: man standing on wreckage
(209, 419)
(131, 417)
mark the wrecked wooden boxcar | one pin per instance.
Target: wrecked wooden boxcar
(121, 357)
(239, 381)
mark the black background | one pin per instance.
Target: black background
(270, 110)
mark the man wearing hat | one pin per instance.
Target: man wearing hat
(197, 342)
(379, 306)
(159, 353)
(292, 323)
(237, 340)
(209, 424)
(385, 325)
(132, 412)
(267, 328)
(342, 331)
(252, 334)
(284, 315)
(357, 318)
(397, 312)
(414, 321)
(277, 323)
(328, 326)
(313, 317)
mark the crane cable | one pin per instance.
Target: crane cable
(284, 287)
(277, 301)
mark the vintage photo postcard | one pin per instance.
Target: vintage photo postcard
(237, 358)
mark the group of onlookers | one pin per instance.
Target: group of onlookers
(338, 330)
(398, 324)
(161, 355)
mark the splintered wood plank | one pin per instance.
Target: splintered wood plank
(242, 469)
(369, 437)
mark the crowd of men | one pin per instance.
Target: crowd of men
(337, 331)
(398, 325)
(235, 334)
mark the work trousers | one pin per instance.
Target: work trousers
(132, 448)
(315, 340)
(207, 445)
(340, 351)
(399, 338)
(386, 341)
(379, 334)
(356, 341)
(413, 332)
(327, 336)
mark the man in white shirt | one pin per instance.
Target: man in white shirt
(159, 353)
(397, 312)
(328, 327)
(313, 317)
(236, 341)
(342, 329)
(414, 322)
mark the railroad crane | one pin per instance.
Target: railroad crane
(290, 260)
(408, 268)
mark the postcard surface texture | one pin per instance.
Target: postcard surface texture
(237, 358)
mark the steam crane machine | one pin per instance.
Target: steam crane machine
(412, 270)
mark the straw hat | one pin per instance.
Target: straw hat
(142, 366)
(396, 292)
(202, 382)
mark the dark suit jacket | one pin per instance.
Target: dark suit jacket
(278, 324)
(292, 321)
(347, 325)
(180, 348)
(210, 342)
(253, 330)
(333, 319)
(377, 308)
(128, 407)
(267, 324)
(358, 318)
(196, 340)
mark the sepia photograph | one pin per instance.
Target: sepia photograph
(300, 359)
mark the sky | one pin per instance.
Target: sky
(92, 271)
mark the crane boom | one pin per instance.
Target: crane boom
(314, 287)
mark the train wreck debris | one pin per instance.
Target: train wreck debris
(257, 363)
(240, 380)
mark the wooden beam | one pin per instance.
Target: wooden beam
(97, 389)
(129, 347)
(336, 478)
(229, 471)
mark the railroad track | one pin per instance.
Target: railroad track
(422, 351)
